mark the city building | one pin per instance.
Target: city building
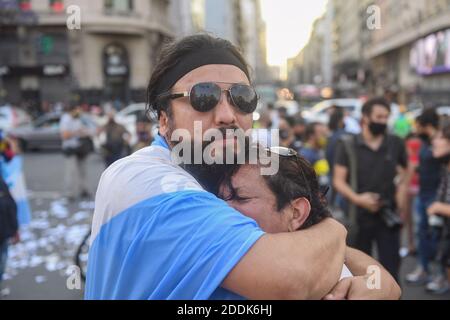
(46, 57)
(188, 16)
(314, 63)
(240, 22)
(406, 50)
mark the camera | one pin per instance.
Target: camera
(390, 218)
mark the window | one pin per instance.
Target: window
(57, 5)
(25, 5)
(119, 5)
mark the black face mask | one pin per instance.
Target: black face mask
(378, 129)
(284, 134)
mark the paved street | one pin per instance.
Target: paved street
(37, 267)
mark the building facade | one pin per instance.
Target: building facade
(108, 58)
(240, 22)
(392, 49)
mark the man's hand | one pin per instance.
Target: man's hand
(369, 201)
(356, 288)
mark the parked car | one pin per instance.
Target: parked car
(44, 133)
(12, 117)
(321, 111)
(292, 106)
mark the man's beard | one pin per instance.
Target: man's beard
(210, 176)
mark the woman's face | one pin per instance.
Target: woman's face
(441, 146)
(254, 199)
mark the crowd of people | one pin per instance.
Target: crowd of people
(157, 234)
(384, 180)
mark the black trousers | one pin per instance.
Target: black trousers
(373, 230)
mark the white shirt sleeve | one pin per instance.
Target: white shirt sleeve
(345, 273)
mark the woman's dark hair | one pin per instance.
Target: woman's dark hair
(428, 117)
(295, 179)
(174, 52)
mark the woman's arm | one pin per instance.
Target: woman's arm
(364, 285)
(439, 208)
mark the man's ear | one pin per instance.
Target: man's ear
(301, 210)
(163, 124)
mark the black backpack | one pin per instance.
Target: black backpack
(8, 213)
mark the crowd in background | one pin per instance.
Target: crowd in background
(408, 146)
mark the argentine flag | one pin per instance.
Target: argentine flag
(14, 177)
(156, 234)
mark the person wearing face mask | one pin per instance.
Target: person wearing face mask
(314, 151)
(369, 171)
(440, 209)
(427, 125)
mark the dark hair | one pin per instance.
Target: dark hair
(370, 104)
(336, 118)
(174, 52)
(428, 117)
(446, 130)
(298, 120)
(290, 121)
(295, 179)
(311, 130)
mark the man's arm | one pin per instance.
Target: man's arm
(300, 265)
(357, 287)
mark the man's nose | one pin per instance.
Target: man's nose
(225, 112)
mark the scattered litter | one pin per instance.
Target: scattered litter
(58, 209)
(87, 205)
(40, 279)
(51, 239)
(5, 292)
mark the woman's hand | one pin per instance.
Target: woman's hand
(360, 288)
(434, 209)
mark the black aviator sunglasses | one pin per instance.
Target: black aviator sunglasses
(205, 96)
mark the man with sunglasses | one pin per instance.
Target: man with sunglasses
(157, 234)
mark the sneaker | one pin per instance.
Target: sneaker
(439, 285)
(417, 277)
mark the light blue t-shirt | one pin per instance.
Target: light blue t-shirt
(157, 234)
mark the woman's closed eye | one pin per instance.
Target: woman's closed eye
(235, 196)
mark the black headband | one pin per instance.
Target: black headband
(196, 59)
